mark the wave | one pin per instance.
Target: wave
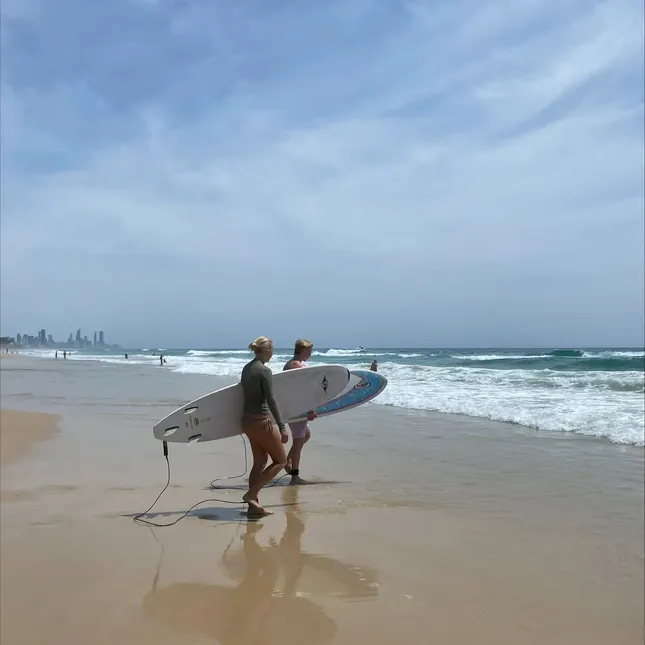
(532, 389)
(601, 404)
(594, 404)
(614, 354)
(611, 361)
(339, 352)
(216, 352)
(368, 354)
(567, 353)
(497, 357)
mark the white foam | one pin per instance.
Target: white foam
(218, 352)
(590, 403)
(609, 354)
(339, 352)
(598, 403)
(496, 357)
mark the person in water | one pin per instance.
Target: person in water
(266, 440)
(374, 366)
(299, 430)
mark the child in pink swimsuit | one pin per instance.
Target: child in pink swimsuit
(300, 430)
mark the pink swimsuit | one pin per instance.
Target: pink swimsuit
(300, 428)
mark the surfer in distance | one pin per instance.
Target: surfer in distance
(300, 432)
(266, 440)
(374, 366)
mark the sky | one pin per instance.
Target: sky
(196, 173)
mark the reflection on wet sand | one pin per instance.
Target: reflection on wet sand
(313, 575)
(269, 599)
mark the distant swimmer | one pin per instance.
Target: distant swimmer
(300, 430)
(374, 366)
(126, 355)
(162, 360)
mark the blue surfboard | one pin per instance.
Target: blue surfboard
(363, 386)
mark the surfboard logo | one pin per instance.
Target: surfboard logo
(361, 385)
(325, 384)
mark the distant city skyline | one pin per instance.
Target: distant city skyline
(77, 340)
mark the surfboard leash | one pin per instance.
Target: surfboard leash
(246, 470)
(139, 517)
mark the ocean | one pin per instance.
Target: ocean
(598, 392)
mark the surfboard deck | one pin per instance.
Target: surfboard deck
(363, 386)
(217, 415)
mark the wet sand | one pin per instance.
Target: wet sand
(462, 533)
(19, 431)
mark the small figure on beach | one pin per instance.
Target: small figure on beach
(300, 432)
(266, 440)
(56, 354)
(126, 354)
(65, 354)
(162, 360)
(374, 366)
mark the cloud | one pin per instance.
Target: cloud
(198, 173)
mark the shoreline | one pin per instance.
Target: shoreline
(599, 404)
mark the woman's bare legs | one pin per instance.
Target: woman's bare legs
(265, 439)
(293, 458)
(260, 458)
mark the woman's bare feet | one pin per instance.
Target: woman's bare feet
(255, 508)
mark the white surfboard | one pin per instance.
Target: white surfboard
(218, 415)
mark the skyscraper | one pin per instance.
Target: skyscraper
(101, 338)
(94, 339)
(78, 335)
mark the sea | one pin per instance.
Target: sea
(599, 392)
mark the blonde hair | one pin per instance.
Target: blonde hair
(302, 345)
(261, 344)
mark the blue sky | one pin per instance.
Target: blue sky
(198, 173)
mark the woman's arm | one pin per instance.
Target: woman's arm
(267, 388)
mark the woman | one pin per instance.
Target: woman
(300, 432)
(266, 440)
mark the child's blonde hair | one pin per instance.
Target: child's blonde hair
(302, 345)
(261, 344)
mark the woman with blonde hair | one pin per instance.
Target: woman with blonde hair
(266, 440)
(300, 431)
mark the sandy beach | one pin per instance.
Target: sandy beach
(422, 527)
(20, 430)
